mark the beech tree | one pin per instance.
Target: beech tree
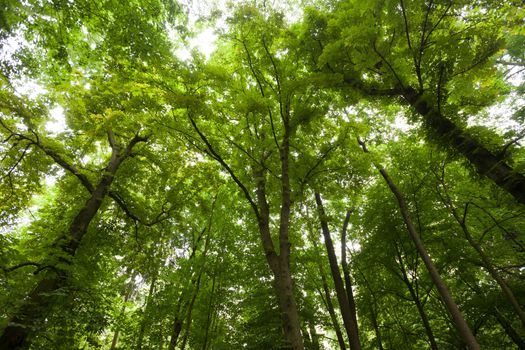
(335, 174)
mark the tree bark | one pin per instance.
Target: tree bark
(346, 271)
(287, 302)
(486, 163)
(344, 305)
(15, 335)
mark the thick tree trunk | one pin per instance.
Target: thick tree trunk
(19, 327)
(346, 312)
(417, 302)
(290, 314)
(486, 162)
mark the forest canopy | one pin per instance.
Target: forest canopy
(332, 174)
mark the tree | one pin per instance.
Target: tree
(154, 195)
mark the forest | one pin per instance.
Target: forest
(315, 174)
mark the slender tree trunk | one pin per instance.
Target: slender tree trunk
(346, 271)
(189, 312)
(487, 163)
(375, 325)
(507, 327)
(314, 336)
(487, 264)
(127, 295)
(373, 312)
(19, 327)
(346, 312)
(176, 329)
(209, 316)
(417, 302)
(330, 306)
(459, 321)
(143, 323)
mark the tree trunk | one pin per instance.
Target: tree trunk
(127, 295)
(486, 162)
(19, 327)
(373, 313)
(507, 327)
(330, 307)
(190, 311)
(143, 323)
(209, 316)
(487, 264)
(348, 320)
(314, 336)
(279, 263)
(346, 271)
(177, 326)
(417, 302)
(459, 322)
(290, 314)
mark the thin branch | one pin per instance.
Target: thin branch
(225, 165)
(388, 64)
(16, 267)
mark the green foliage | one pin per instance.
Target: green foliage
(175, 240)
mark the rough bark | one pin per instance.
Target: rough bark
(15, 335)
(290, 314)
(486, 162)
(344, 305)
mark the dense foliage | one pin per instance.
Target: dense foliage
(335, 174)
